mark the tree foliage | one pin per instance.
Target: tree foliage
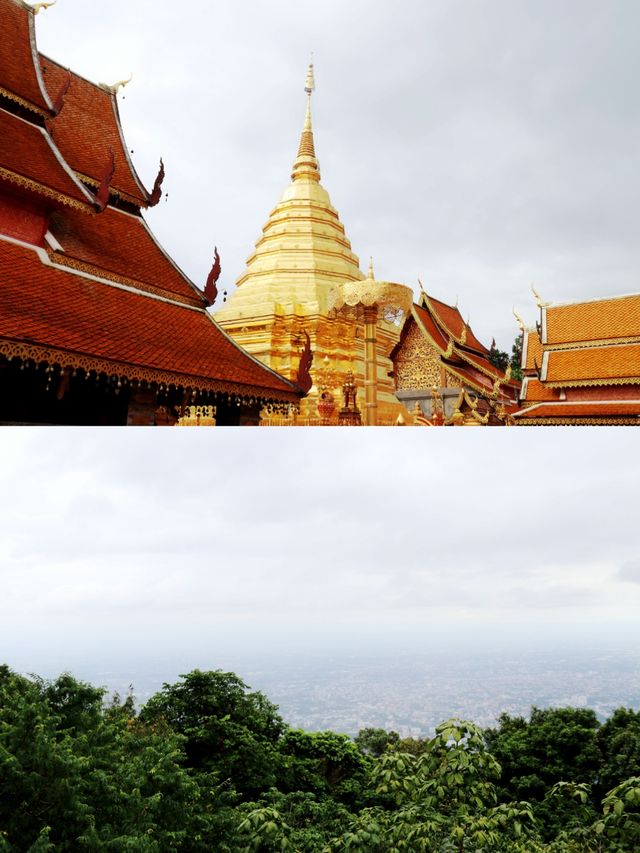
(209, 765)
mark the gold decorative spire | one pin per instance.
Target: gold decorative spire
(371, 275)
(306, 166)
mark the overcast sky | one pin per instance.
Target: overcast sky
(199, 544)
(479, 145)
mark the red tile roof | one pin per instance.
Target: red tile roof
(536, 391)
(26, 152)
(19, 70)
(483, 364)
(592, 364)
(599, 320)
(617, 408)
(450, 319)
(431, 327)
(54, 308)
(121, 244)
(87, 126)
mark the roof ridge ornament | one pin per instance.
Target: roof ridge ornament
(539, 301)
(58, 103)
(115, 87)
(156, 193)
(38, 6)
(102, 194)
(211, 287)
(519, 320)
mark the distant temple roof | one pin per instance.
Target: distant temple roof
(581, 363)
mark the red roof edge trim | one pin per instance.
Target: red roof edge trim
(181, 272)
(421, 326)
(116, 112)
(36, 58)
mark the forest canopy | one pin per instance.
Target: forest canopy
(209, 765)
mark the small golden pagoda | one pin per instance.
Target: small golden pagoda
(286, 290)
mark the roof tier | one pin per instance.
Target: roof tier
(87, 128)
(20, 77)
(616, 363)
(597, 320)
(119, 245)
(30, 160)
(94, 325)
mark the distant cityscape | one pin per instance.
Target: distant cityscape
(412, 694)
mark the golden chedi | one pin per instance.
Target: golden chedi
(287, 286)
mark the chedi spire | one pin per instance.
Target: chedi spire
(306, 166)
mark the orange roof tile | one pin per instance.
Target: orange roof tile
(26, 152)
(483, 364)
(20, 78)
(450, 320)
(602, 319)
(87, 126)
(532, 351)
(121, 244)
(47, 306)
(537, 391)
(430, 326)
(617, 408)
(592, 364)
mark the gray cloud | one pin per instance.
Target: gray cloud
(629, 572)
(480, 146)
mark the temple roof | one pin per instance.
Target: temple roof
(531, 350)
(592, 365)
(596, 320)
(303, 251)
(21, 80)
(102, 326)
(29, 159)
(450, 320)
(577, 410)
(120, 245)
(88, 128)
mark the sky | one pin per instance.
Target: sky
(481, 146)
(133, 547)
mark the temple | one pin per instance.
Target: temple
(97, 324)
(287, 288)
(443, 374)
(581, 364)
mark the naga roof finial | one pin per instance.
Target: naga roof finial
(539, 301)
(115, 87)
(211, 287)
(38, 6)
(519, 319)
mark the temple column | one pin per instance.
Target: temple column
(370, 360)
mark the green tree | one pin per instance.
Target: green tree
(554, 745)
(228, 730)
(374, 741)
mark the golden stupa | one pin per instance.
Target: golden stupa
(288, 286)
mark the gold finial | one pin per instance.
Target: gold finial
(539, 301)
(371, 275)
(37, 6)
(310, 83)
(306, 164)
(421, 285)
(519, 320)
(507, 373)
